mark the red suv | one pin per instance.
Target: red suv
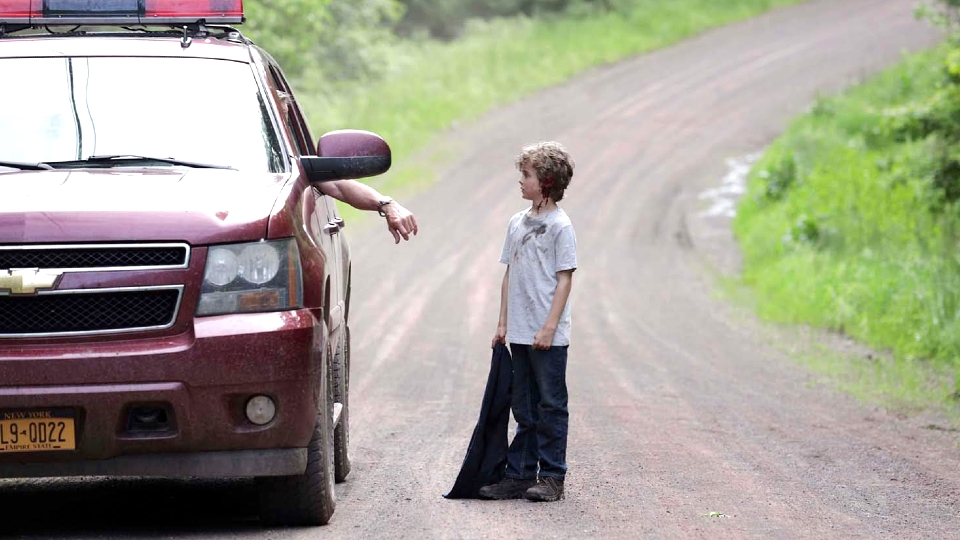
(174, 289)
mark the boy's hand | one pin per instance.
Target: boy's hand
(500, 336)
(544, 338)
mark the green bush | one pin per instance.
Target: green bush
(333, 40)
(350, 40)
(778, 177)
(852, 218)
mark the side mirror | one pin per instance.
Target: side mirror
(347, 154)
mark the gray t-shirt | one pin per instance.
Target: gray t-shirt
(536, 248)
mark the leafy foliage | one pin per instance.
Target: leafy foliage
(778, 177)
(935, 118)
(290, 29)
(332, 39)
(930, 118)
(852, 219)
(350, 40)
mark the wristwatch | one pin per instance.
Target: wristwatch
(383, 202)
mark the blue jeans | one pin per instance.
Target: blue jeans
(539, 403)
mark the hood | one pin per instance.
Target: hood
(198, 206)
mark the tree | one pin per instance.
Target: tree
(331, 39)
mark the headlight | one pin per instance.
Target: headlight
(244, 278)
(259, 263)
(222, 267)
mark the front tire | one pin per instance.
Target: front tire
(306, 499)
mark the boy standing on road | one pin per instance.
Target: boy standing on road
(540, 254)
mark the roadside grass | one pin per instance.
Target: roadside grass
(900, 384)
(431, 86)
(872, 375)
(837, 232)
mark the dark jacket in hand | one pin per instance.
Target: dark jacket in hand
(486, 459)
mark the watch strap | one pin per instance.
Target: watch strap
(381, 204)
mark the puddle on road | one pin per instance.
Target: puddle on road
(723, 199)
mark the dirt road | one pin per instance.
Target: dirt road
(680, 405)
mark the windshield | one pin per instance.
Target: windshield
(187, 109)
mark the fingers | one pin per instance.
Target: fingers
(399, 229)
(408, 225)
(401, 222)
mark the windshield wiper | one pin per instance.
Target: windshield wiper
(26, 166)
(126, 158)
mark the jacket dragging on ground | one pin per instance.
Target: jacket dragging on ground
(486, 459)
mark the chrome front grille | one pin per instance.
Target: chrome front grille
(79, 258)
(27, 309)
(94, 311)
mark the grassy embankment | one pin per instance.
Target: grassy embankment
(842, 228)
(432, 86)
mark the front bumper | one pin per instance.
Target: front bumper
(236, 463)
(203, 377)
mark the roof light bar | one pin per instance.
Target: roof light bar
(119, 12)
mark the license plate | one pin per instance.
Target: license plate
(41, 430)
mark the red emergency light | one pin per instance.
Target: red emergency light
(119, 12)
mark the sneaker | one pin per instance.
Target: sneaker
(548, 490)
(508, 488)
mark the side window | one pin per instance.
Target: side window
(291, 113)
(309, 148)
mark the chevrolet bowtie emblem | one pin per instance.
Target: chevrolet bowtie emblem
(27, 280)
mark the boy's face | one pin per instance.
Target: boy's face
(529, 183)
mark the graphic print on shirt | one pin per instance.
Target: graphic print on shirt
(537, 233)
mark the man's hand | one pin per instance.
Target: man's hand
(500, 336)
(544, 338)
(400, 221)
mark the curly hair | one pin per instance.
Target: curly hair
(553, 165)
